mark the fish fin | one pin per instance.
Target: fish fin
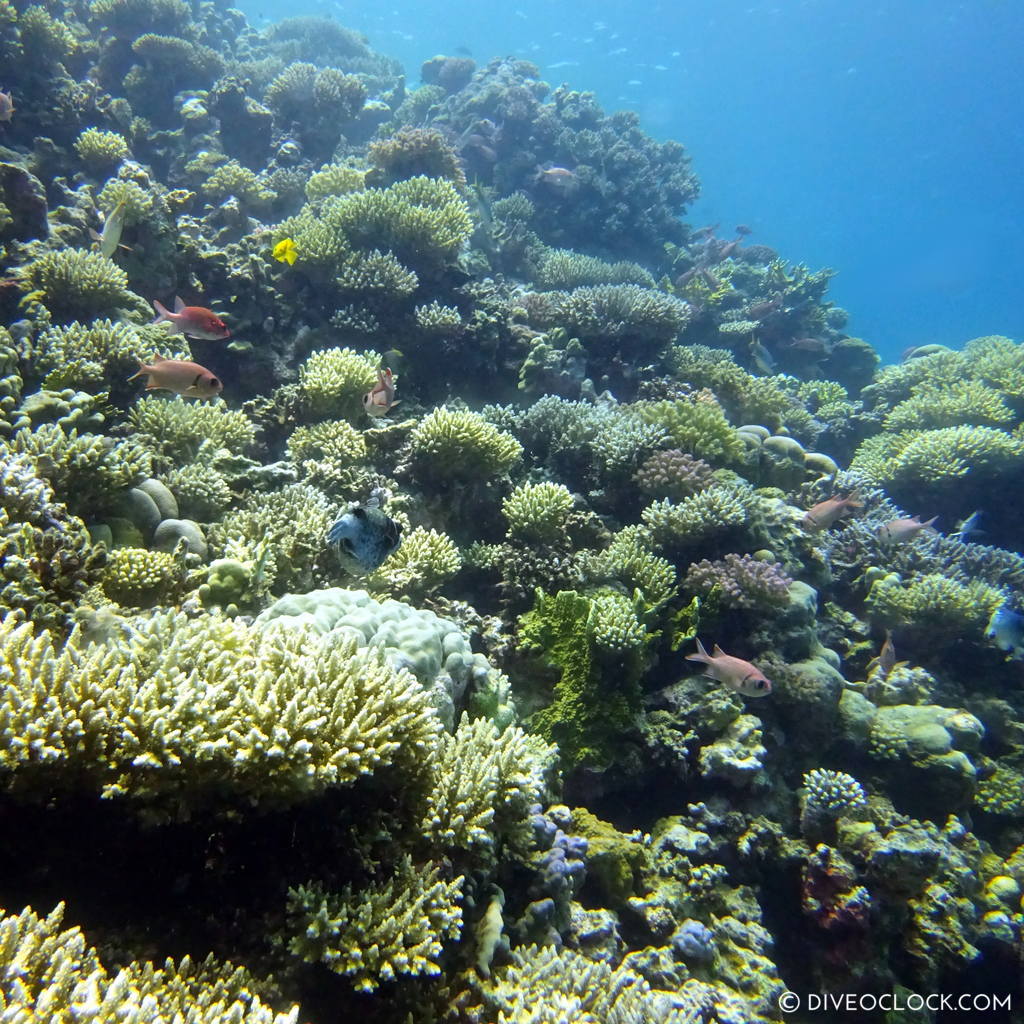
(157, 358)
(700, 654)
(95, 235)
(719, 653)
(397, 401)
(143, 368)
(931, 521)
(162, 312)
(179, 305)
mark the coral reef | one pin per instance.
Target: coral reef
(610, 426)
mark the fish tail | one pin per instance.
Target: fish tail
(162, 312)
(700, 655)
(143, 368)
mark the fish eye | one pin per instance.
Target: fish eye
(347, 544)
(759, 684)
(214, 382)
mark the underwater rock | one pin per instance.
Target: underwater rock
(23, 195)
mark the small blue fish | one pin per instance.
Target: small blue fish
(969, 527)
(364, 537)
(1006, 628)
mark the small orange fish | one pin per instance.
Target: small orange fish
(899, 531)
(6, 106)
(194, 321)
(381, 399)
(737, 674)
(557, 179)
(827, 512)
(190, 380)
(886, 660)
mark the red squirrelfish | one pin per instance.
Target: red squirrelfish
(826, 512)
(183, 378)
(899, 531)
(6, 106)
(195, 321)
(382, 398)
(737, 674)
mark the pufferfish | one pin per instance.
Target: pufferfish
(365, 535)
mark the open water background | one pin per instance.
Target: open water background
(883, 139)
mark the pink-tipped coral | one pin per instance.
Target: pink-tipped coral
(673, 474)
(744, 581)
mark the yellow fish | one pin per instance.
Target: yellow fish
(286, 252)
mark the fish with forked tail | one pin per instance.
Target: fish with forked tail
(737, 674)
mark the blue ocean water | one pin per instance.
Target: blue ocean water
(882, 139)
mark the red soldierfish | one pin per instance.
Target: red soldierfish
(382, 398)
(899, 531)
(195, 321)
(827, 512)
(737, 674)
(183, 378)
(6, 106)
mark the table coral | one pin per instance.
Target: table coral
(100, 150)
(173, 429)
(182, 713)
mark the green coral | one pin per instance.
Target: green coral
(174, 429)
(186, 712)
(44, 36)
(721, 509)
(965, 402)
(629, 561)
(78, 285)
(137, 202)
(455, 444)
(330, 455)
(87, 471)
(561, 269)
(99, 149)
(424, 561)
(332, 382)
(486, 781)
(131, 18)
(940, 457)
(201, 491)
(538, 512)
(1001, 791)
(47, 560)
(232, 179)
(696, 426)
(437, 318)
(137, 578)
(381, 932)
(594, 702)
(294, 523)
(944, 609)
(52, 974)
(95, 354)
(423, 222)
(335, 180)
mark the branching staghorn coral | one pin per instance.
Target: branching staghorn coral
(335, 180)
(486, 781)
(943, 609)
(47, 560)
(742, 581)
(330, 455)
(138, 578)
(77, 285)
(462, 445)
(697, 425)
(411, 152)
(629, 560)
(332, 382)
(294, 522)
(538, 512)
(183, 712)
(425, 560)
(721, 509)
(673, 474)
(563, 269)
(87, 471)
(378, 933)
(100, 150)
(174, 429)
(52, 974)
